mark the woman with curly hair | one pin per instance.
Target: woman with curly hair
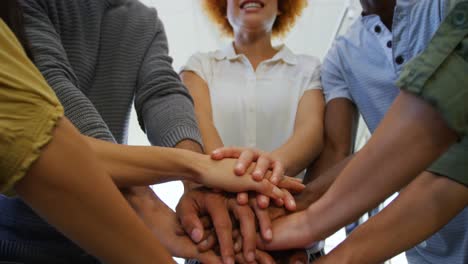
(254, 95)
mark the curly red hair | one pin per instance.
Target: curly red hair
(290, 11)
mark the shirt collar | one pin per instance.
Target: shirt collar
(284, 54)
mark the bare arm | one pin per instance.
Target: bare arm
(306, 141)
(388, 162)
(122, 238)
(340, 129)
(203, 110)
(427, 204)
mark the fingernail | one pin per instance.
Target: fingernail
(251, 256)
(293, 202)
(215, 152)
(237, 246)
(257, 172)
(229, 260)
(269, 234)
(196, 235)
(204, 243)
(239, 167)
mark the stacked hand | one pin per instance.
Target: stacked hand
(228, 224)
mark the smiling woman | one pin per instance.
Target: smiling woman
(289, 10)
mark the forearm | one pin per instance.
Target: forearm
(122, 238)
(210, 135)
(340, 129)
(139, 166)
(388, 162)
(194, 147)
(316, 188)
(299, 151)
(426, 205)
(329, 157)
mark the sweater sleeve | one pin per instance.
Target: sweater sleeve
(51, 59)
(164, 106)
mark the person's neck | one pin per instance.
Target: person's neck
(384, 9)
(256, 47)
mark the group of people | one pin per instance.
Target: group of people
(74, 193)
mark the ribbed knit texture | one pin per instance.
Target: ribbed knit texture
(99, 56)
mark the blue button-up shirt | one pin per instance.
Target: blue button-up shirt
(363, 66)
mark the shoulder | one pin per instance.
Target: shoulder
(202, 58)
(308, 63)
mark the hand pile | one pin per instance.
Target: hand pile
(231, 225)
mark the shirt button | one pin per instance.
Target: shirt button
(459, 18)
(399, 60)
(377, 29)
(389, 44)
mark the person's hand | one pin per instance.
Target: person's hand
(279, 257)
(246, 156)
(219, 175)
(163, 223)
(264, 164)
(201, 202)
(290, 232)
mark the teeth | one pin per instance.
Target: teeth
(252, 5)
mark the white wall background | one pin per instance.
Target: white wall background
(189, 31)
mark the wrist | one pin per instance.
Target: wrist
(198, 165)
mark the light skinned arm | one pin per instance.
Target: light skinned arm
(306, 142)
(123, 237)
(427, 204)
(141, 165)
(203, 110)
(389, 161)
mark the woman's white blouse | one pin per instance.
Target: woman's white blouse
(255, 108)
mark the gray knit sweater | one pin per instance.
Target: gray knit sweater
(101, 55)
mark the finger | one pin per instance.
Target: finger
(262, 166)
(223, 227)
(264, 221)
(265, 187)
(244, 161)
(263, 201)
(226, 152)
(277, 172)
(236, 233)
(179, 230)
(289, 201)
(246, 219)
(206, 222)
(299, 256)
(264, 258)
(291, 184)
(188, 217)
(242, 198)
(238, 244)
(279, 202)
(208, 243)
(209, 257)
